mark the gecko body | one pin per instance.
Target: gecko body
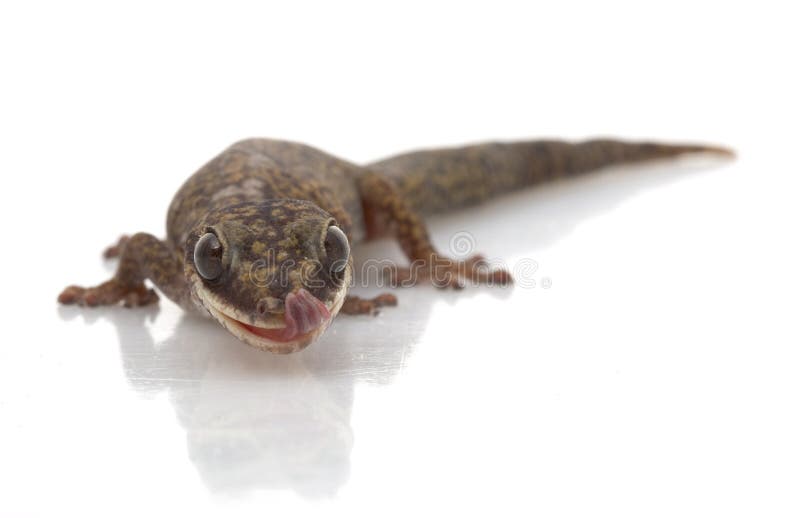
(259, 237)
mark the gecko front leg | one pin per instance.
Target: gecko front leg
(359, 306)
(389, 212)
(142, 256)
(114, 250)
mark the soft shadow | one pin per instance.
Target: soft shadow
(539, 217)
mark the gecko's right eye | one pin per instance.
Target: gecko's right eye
(337, 252)
(208, 257)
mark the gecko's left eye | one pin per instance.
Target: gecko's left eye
(208, 257)
(337, 251)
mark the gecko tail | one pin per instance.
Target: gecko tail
(438, 180)
(721, 151)
(656, 150)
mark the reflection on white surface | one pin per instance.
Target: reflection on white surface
(255, 420)
(252, 420)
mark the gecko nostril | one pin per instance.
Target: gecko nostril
(268, 305)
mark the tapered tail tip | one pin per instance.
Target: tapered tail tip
(724, 152)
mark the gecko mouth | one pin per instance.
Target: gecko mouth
(305, 318)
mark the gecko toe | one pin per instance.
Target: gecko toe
(71, 295)
(107, 294)
(385, 299)
(140, 297)
(357, 306)
(115, 250)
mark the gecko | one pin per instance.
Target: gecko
(259, 238)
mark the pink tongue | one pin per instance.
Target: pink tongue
(304, 313)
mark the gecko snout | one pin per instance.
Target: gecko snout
(269, 305)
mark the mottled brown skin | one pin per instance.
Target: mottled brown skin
(271, 203)
(439, 180)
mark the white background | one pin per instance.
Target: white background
(658, 376)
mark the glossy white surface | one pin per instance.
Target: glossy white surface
(656, 376)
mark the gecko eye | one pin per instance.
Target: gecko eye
(337, 251)
(208, 257)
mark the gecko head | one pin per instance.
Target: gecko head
(273, 273)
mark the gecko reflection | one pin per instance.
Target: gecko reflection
(256, 421)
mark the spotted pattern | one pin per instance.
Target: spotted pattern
(271, 202)
(270, 248)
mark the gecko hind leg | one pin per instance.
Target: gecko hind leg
(444, 272)
(388, 209)
(142, 257)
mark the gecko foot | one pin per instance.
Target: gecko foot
(443, 272)
(109, 293)
(114, 250)
(358, 306)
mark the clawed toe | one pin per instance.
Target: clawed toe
(107, 294)
(141, 297)
(357, 306)
(445, 273)
(115, 250)
(71, 295)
